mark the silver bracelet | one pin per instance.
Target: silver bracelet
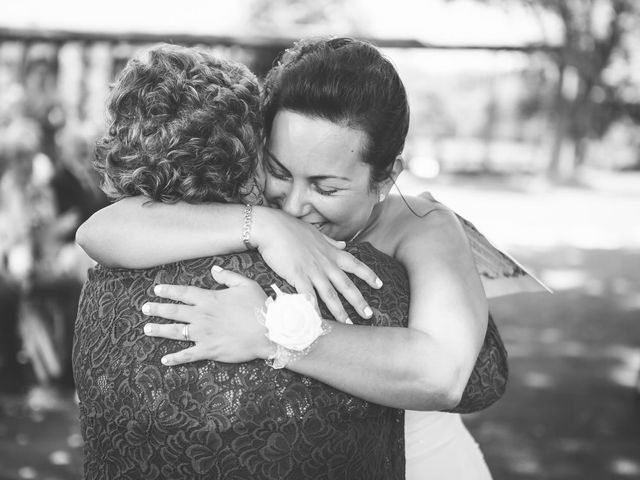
(246, 226)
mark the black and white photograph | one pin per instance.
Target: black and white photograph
(320, 240)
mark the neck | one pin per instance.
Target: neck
(363, 234)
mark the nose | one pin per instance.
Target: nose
(294, 201)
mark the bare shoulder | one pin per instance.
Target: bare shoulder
(420, 214)
(419, 223)
(433, 240)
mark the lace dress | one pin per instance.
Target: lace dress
(140, 419)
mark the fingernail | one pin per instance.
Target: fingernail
(367, 311)
(165, 361)
(216, 268)
(147, 329)
(348, 321)
(158, 289)
(378, 283)
(146, 309)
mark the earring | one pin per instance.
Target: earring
(381, 197)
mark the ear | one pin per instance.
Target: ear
(396, 170)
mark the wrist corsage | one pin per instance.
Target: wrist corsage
(293, 326)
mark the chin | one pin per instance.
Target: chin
(330, 232)
(340, 235)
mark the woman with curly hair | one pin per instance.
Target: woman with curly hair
(183, 126)
(336, 117)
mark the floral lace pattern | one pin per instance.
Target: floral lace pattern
(488, 380)
(140, 419)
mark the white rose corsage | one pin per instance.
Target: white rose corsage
(292, 324)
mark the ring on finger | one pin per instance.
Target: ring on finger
(185, 332)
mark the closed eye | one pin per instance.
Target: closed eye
(324, 190)
(276, 172)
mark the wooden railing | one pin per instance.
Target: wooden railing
(77, 66)
(251, 42)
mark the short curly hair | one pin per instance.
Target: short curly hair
(183, 125)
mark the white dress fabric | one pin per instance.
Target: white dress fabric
(438, 446)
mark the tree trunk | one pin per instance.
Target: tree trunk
(488, 131)
(560, 127)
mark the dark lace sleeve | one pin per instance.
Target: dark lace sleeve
(488, 380)
(213, 420)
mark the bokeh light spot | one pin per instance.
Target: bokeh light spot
(564, 279)
(60, 457)
(27, 472)
(537, 380)
(625, 467)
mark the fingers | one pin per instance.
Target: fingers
(229, 278)
(351, 264)
(305, 287)
(350, 292)
(191, 354)
(172, 331)
(175, 331)
(195, 295)
(181, 293)
(331, 299)
(328, 281)
(336, 243)
(170, 311)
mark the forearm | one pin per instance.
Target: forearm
(135, 233)
(397, 367)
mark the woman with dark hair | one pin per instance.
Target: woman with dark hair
(336, 117)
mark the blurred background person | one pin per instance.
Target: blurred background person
(47, 189)
(25, 206)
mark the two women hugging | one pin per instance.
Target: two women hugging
(226, 188)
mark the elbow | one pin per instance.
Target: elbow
(82, 236)
(91, 240)
(436, 396)
(439, 388)
(451, 393)
(89, 233)
(446, 392)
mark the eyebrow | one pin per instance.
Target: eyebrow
(314, 177)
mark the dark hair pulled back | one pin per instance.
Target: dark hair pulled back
(348, 82)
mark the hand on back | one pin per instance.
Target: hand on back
(311, 262)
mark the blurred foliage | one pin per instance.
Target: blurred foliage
(297, 18)
(592, 71)
(304, 17)
(570, 95)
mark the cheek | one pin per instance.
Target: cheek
(274, 188)
(352, 212)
